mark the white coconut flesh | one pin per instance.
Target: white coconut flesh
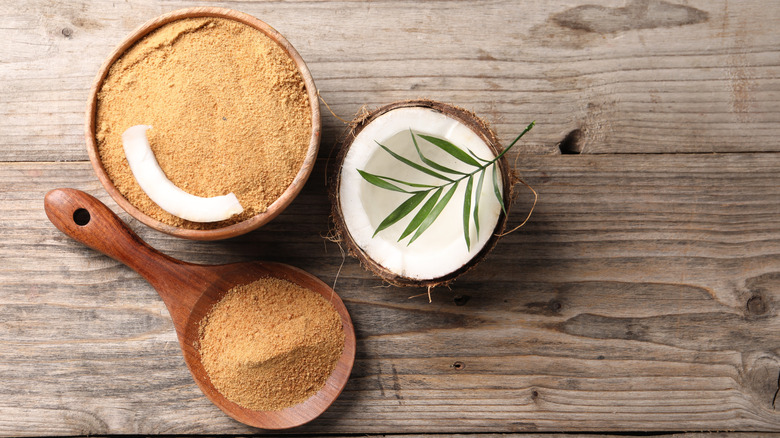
(163, 192)
(441, 249)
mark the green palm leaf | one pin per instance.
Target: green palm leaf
(451, 149)
(399, 213)
(432, 208)
(425, 210)
(414, 165)
(410, 184)
(380, 182)
(496, 188)
(435, 212)
(477, 156)
(432, 163)
(467, 211)
(476, 201)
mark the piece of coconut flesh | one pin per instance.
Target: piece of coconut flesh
(163, 192)
(441, 249)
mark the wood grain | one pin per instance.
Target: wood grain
(642, 296)
(670, 82)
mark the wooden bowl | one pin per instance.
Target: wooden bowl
(253, 222)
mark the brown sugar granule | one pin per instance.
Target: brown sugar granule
(270, 344)
(229, 112)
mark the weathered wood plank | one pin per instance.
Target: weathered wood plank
(638, 76)
(583, 435)
(642, 296)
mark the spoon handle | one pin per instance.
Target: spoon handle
(87, 220)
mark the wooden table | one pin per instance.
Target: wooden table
(643, 295)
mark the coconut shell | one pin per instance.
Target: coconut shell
(340, 232)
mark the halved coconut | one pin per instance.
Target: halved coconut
(441, 253)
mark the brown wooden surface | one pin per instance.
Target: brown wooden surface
(642, 296)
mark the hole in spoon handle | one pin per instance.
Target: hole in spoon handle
(87, 220)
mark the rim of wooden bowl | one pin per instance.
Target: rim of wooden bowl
(253, 222)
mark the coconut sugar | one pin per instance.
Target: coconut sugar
(229, 112)
(270, 344)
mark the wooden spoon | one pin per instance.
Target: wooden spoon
(190, 290)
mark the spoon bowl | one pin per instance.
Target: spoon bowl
(190, 291)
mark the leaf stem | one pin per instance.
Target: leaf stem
(498, 157)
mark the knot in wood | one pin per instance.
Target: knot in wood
(756, 305)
